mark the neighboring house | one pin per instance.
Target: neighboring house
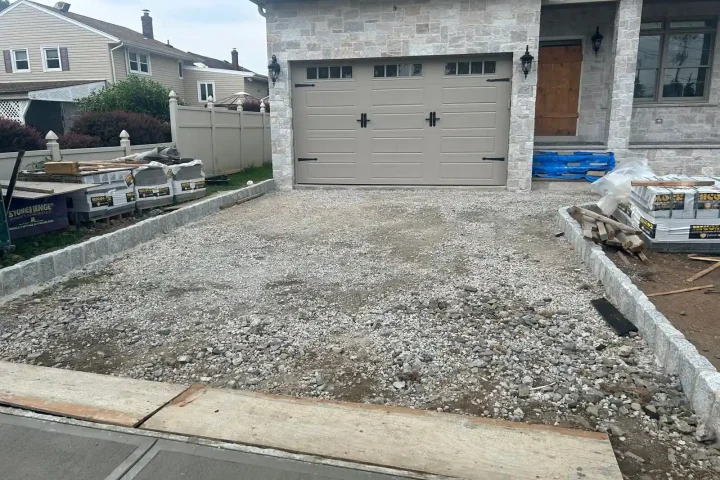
(52, 57)
(651, 90)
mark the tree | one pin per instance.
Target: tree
(135, 94)
(4, 4)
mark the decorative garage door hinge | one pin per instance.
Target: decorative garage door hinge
(498, 79)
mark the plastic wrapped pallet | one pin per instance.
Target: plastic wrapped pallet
(114, 195)
(153, 186)
(188, 181)
(678, 202)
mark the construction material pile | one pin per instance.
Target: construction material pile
(609, 231)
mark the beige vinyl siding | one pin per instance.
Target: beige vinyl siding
(165, 70)
(120, 63)
(256, 88)
(27, 27)
(226, 84)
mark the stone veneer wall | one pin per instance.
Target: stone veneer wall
(681, 122)
(580, 21)
(346, 29)
(686, 161)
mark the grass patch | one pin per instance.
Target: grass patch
(240, 179)
(26, 248)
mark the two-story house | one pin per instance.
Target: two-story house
(462, 92)
(52, 57)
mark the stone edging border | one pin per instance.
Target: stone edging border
(50, 266)
(698, 377)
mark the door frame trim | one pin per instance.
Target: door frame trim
(574, 38)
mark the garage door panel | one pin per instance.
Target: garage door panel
(404, 158)
(468, 120)
(332, 170)
(390, 97)
(467, 144)
(397, 121)
(399, 172)
(330, 145)
(397, 145)
(330, 122)
(336, 98)
(466, 95)
(467, 172)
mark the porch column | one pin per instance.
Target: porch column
(625, 48)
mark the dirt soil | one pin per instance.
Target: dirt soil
(695, 313)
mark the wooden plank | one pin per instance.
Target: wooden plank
(682, 290)
(643, 257)
(610, 231)
(672, 183)
(602, 232)
(23, 188)
(693, 256)
(61, 168)
(623, 258)
(703, 273)
(46, 189)
(609, 221)
(587, 231)
(87, 396)
(417, 440)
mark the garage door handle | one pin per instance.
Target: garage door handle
(494, 159)
(498, 79)
(299, 85)
(300, 159)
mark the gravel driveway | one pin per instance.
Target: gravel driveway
(454, 300)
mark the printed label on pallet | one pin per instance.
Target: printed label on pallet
(626, 208)
(704, 232)
(669, 202)
(130, 196)
(708, 201)
(152, 192)
(648, 227)
(102, 201)
(189, 186)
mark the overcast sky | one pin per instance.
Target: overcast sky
(210, 27)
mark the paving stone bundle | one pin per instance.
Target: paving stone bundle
(188, 181)
(153, 186)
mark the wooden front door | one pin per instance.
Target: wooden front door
(558, 92)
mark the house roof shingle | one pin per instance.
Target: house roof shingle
(124, 34)
(24, 87)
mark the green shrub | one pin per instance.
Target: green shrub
(143, 129)
(79, 140)
(135, 94)
(15, 136)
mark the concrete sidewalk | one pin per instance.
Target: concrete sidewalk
(33, 449)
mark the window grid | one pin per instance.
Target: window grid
(139, 63)
(402, 70)
(470, 68)
(670, 65)
(332, 72)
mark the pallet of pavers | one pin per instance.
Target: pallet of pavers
(188, 181)
(675, 213)
(112, 195)
(153, 186)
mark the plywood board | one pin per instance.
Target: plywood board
(87, 396)
(416, 440)
(44, 189)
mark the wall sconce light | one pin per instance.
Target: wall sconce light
(526, 61)
(274, 69)
(597, 41)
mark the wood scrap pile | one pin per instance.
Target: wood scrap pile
(608, 231)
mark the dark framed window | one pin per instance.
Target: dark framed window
(332, 72)
(674, 60)
(469, 68)
(398, 70)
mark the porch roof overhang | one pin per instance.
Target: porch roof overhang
(60, 91)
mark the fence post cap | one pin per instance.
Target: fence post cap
(51, 136)
(173, 94)
(124, 134)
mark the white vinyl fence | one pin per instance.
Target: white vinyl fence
(227, 141)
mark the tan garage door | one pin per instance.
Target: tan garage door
(402, 122)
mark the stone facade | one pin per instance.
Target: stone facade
(678, 122)
(580, 22)
(687, 161)
(349, 29)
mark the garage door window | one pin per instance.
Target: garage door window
(329, 73)
(401, 70)
(470, 68)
